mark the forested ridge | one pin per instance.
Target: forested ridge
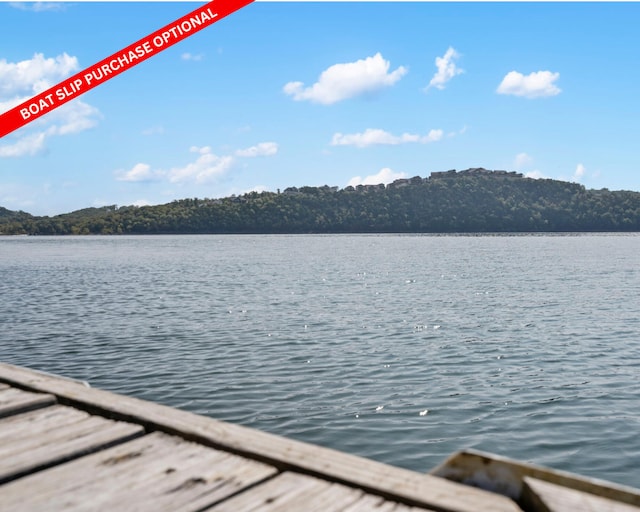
(475, 200)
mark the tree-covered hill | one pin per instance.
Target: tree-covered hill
(7, 216)
(475, 200)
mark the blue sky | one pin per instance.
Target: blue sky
(294, 93)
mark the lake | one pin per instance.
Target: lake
(400, 348)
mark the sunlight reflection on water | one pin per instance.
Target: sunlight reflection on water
(527, 346)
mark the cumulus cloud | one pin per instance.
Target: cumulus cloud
(385, 176)
(522, 160)
(36, 74)
(534, 85)
(73, 117)
(374, 136)
(139, 172)
(7, 105)
(262, 149)
(447, 69)
(205, 168)
(347, 80)
(19, 81)
(29, 145)
(579, 172)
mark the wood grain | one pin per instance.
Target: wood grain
(14, 401)
(44, 437)
(543, 496)
(151, 473)
(390, 482)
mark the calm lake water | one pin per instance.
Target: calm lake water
(526, 346)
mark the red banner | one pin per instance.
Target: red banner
(117, 63)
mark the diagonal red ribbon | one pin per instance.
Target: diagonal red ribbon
(117, 63)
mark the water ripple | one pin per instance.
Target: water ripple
(525, 346)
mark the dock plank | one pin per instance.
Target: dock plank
(14, 401)
(506, 476)
(544, 496)
(369, 503)
(33, 423)
(45, 437)
(390, 482)
(293, 491)
(154, 472)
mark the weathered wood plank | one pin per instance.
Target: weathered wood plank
(154, 472)
(371, 503)
(391, 482)
(547, 497)
(42, 438)
(14, 401)
(505, 476)
(292, 491)
(33, 423)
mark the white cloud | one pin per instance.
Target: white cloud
(447, 69)
(141, 202)
(29, 145)
(534, 85)
(36, 74)
(536, 175)
(19, 81)
(73, 117)
(522, 160)
(347, 80)
(261, 149)
(139, 172)
(205, 168)
(190, 56)
(375, 136)
(7, 105)
(38, 6)
(579, 172)
(385, 176)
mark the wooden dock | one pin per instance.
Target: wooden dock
(66, 446)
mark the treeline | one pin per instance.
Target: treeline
(461, 203)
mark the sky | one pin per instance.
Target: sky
(284, 94)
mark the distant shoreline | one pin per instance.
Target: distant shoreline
(471, 201)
